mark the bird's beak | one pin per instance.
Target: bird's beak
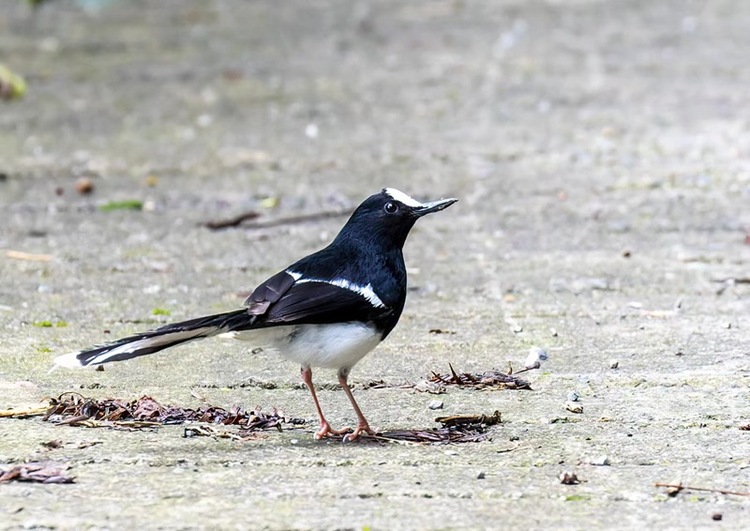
(433, 206)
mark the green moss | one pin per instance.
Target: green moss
(128, 204)
(50, 324)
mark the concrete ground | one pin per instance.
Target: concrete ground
(601, 153)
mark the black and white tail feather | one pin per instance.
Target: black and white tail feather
(159, 339)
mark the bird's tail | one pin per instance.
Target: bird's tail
(159, 339)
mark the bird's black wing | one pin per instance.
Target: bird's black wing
(284, 300)
(317, 302)
(268, 293)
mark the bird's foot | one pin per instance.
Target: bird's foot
(361, 428)
(326, 430)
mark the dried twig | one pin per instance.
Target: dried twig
(470, 420)
(493, 379)
(732, 280)
(233, 221)
(290, 220)
(677, 487)
(32, 257)
(24, 411)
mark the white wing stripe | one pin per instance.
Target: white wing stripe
(296, 276)
(366, 291)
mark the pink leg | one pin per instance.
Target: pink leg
(325, 428)
(362, 425)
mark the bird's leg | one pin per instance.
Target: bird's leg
(325, 428)
(362, 425)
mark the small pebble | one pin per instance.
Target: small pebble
(613, 364)
(574, 407)
(84, 186)
(435, 404)
(535, 358)
(717, 516)
(573, 396)
(481, 475)
(312, 131)
(294, 441)
(602, 460)
(451, 453)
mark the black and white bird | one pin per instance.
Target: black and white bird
(327, 310)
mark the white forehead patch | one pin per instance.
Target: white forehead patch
(401, 197)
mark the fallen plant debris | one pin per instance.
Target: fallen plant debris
(12, 85)
(76, 410)
(238, 220)
(673, 489)
(454, 429)
(491, 379)
(37, 472)
(746, 427)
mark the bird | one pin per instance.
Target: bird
(327, 310)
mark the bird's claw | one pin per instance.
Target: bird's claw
(353, 436)
(326, 431)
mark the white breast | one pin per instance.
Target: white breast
(330, 346)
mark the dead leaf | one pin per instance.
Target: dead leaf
(38, 472)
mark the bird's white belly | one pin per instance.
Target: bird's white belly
(330, 346)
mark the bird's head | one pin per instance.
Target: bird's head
(387, 217)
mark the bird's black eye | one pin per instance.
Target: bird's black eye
(390, 208)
